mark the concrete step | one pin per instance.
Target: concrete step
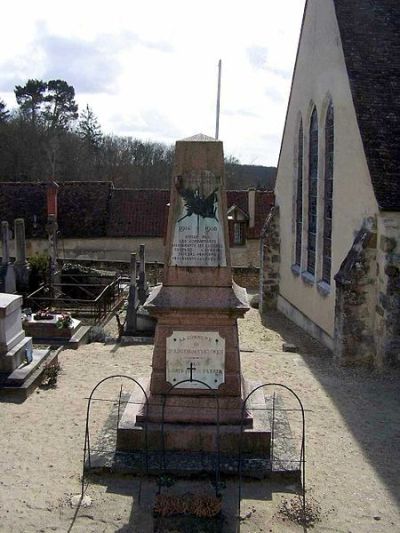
(18, 385)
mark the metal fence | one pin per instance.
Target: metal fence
(88, 300)
(148, 462)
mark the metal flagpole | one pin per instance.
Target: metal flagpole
(218, 99)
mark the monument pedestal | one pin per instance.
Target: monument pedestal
(196, 392)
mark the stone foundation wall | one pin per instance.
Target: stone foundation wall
(387, 325)
(270, 260)
(354, 341)
(119, 249)
(247, 277)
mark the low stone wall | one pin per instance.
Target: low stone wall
(245, 277)
(355, 298)
(270, 260)
(387, 320)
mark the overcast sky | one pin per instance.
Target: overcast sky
(149, 68)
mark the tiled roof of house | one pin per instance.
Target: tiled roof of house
(370, 33)
(83, 208)
(27, 201)
(138, 213)
(144, 213)
(95, 209)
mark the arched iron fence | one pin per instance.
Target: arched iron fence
(217, 462)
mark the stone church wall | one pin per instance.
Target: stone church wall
(354, 341)
(387, 325)
(270, 260)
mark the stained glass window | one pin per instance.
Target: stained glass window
(299, 197)
(312, 193)
(327, 237)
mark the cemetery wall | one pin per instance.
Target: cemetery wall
(244, 276)
(119, 249)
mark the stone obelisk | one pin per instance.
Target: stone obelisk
(196, 355)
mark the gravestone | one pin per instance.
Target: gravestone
(139, 325)
(130, 323)
(19, 363)
(7, 273)
(143, 288)
(14, 346)
(21, 265)
(196, 355)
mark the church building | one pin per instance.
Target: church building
(331, 245)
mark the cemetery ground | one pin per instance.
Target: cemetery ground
(352, 454)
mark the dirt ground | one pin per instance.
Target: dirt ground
(352, 446)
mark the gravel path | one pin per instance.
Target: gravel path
(353, 438)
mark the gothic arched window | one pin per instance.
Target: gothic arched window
(312, 193)
(299, 197)
(328, 182)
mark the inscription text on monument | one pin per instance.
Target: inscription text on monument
(197, 355)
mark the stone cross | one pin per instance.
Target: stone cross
(19, 231)
(22, 267)
(130, 325)
(191, 368)
(5, 243)
(142, 292)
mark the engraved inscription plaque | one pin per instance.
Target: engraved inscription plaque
(196, 355)
(198, 238)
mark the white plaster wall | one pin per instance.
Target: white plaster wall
(119, 249)
(321, 74)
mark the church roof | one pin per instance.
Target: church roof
(370, 32)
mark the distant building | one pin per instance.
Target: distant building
(100, 223)
(331, 258)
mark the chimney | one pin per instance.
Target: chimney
(251, 199)
(52, 189)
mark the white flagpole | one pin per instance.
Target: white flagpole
(218, 99)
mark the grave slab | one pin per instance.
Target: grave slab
(47, 332)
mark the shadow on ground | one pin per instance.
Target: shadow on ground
(140, 494)
(368, 401)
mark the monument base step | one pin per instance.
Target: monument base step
(105, 458)
(189, 464)
(194, 435)
(191, 409)
(179, 464)
(19, 384)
